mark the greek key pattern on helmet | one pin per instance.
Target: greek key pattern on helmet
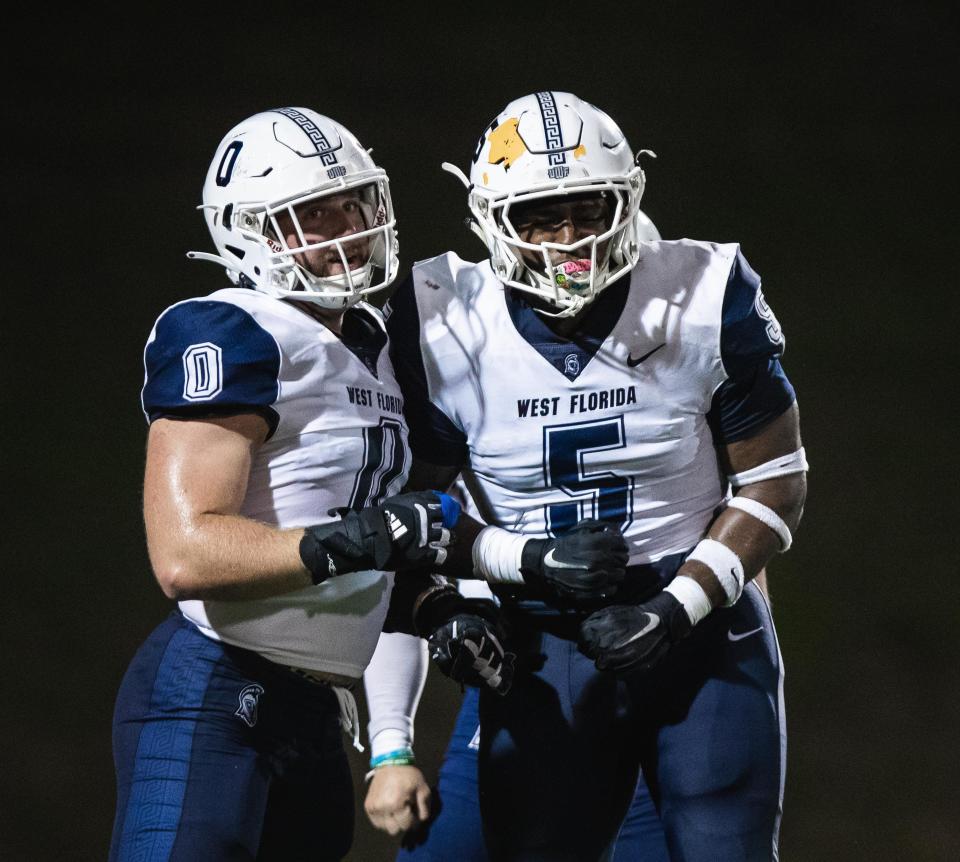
(551, 127)
(317, 138)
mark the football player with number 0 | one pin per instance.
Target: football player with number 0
(276, 450)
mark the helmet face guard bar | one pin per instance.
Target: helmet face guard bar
(378, 237)
(610, 253)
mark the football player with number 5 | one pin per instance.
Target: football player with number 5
(618, 412)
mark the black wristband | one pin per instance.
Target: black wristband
(357, 542)
(531, 562)
(434, 606)
(318, 562)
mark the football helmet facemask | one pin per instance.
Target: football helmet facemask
(272, 166)
(550, 146)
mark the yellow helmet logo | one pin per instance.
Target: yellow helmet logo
(506, 145)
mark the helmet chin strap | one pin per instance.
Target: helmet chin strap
(577, 305)
(544, 306)
(354, 281)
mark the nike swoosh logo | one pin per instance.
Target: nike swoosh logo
(743, 635)
(649, 627)
(554, 563)
(633, 363)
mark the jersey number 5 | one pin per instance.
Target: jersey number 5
(594, 494)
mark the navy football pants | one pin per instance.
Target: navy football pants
(560, 755)
(456, 832)
(221, 754)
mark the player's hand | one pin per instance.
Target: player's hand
(405, 531)
(419, 524)
(468, 650)
(586, 563)
(634, 638)
(398, 799)
(466, 638)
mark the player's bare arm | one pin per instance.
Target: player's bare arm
(753, 541)
(768, 472)
(200, 546)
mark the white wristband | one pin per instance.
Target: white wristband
(691, 595)
(496, 555)
(785, 465)
(765, 514)
(724, 563)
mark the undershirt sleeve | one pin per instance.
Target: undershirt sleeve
(393, 682)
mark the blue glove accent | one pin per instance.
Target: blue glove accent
(450, 509)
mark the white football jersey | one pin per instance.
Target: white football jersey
(613, 423)
(337, 439)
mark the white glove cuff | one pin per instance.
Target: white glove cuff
(496, 555)
(691, 595)
(724, 563)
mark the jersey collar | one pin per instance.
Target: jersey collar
(569, 354)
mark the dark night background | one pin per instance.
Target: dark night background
(819, 138)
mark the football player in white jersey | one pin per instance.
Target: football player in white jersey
(586, 383)
(276, 449)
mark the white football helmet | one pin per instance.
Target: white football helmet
(548, 145)
(267, 166)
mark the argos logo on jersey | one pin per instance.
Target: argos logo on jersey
(249, 699)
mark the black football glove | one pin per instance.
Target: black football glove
(629, 638)
(465, 637)
(419, 523)
(405, 531)
(586, 563)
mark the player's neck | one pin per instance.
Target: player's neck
(564, 326)
(329, 317)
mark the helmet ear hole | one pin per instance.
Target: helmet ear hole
(228, 216)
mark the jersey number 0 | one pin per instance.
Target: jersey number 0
(383, 458)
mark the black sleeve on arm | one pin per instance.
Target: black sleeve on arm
(406, 589)
(433, 436)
